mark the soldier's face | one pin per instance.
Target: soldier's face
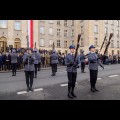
(29, 52)
(72, 50)
(93, 50)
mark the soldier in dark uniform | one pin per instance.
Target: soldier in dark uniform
(37, 59)
(29, 59)
(94, 61)
(54, 62)
(82, 59)
(72, 70)
(14, 57)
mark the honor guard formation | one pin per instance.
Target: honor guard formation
(32, 60)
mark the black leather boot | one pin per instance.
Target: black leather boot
(27, 89)
(31, 89)
(93, 90)
(96, 89)
(72, 93)
(69, 92)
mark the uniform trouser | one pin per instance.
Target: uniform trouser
(39, 66)
(36, 67)
(71, 81)
(14, 67)
(93, 77)
(82, 66)
(54, 68)
(29, 78)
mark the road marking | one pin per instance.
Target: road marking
(62, 85)
(113, 75)
(22, 92)
(25, 92)
(39, 89)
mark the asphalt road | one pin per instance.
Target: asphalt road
(55, 88)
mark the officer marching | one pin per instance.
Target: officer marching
(54, 62)
(82, 59)
(72, 70)
(37, 60)
(28, 60)
(94, 61)
(14, 57)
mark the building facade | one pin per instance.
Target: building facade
(13, 33)
(94, 32)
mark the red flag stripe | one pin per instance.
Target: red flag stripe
(30, 33)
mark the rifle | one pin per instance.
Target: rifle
(76, 53)
(102, 44)
(111, 35)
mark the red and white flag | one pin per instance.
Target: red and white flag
(30, 33)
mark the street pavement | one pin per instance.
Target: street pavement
(47, 87)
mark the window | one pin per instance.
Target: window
(50, 43)
(106, 30)
(106, 21)
(112, 43)
(50, 21)
(17, 25)
(3, 23)
(117, 23)
(82, 42)
(118, 44)
(65, 33)
(96, 29)
(58, 32)
(72, 42)
(82, 31)
(65, 23)
(51, 31)
(112, 52)
(42, 42)
(117, 33)
(112, 31)
(42, 30)
(72, 33)
(112, 22)
(58, 43)
(96, 42)
(72, 23)
(58, 22)
(65, 44)
(118, 52)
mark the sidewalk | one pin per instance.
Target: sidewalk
(48, 68)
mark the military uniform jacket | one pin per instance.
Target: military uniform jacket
(54, 58)
(29, 62)
(37, 58)
(82, 58)
(94, 61)
(70, 59)
(14, 57)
